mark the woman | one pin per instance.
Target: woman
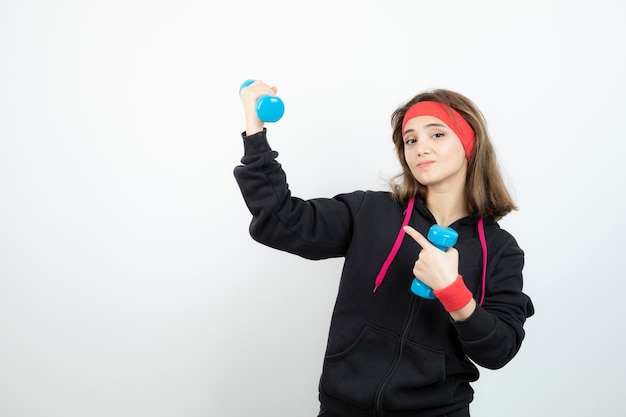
(390, 352)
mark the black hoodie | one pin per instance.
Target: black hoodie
(390, 353)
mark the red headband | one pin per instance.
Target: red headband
(449, 116)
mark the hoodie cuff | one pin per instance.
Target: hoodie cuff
(477, 326)
(255, 144)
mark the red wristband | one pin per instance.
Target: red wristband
(455, 296)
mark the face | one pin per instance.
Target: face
(434, 153)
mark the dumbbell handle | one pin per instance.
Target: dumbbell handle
(442, 238)
(269, 108)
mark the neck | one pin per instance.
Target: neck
(447, 206)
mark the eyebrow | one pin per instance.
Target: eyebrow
(426, 126)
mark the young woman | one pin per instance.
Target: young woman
(391, 352)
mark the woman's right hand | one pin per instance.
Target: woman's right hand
(249, 97)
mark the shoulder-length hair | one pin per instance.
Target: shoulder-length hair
(486, 193)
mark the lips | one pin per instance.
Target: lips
(425, 164)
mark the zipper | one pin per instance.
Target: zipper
(378, 403)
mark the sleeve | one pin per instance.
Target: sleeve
(493, 334)
(314, 229)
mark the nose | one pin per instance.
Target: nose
(421, 147)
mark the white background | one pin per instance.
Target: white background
(129, 285)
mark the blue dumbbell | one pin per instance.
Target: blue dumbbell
(269, 108)
(443, 238)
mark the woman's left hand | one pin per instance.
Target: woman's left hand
(434, 267)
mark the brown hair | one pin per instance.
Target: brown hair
(485, 190)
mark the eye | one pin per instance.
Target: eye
(438, 135)
(410, 141)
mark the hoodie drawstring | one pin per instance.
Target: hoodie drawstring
(396, 246)
(483, 244)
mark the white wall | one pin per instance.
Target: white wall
(129, 285)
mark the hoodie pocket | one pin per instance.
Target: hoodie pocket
(354, 374)
(419, 380)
